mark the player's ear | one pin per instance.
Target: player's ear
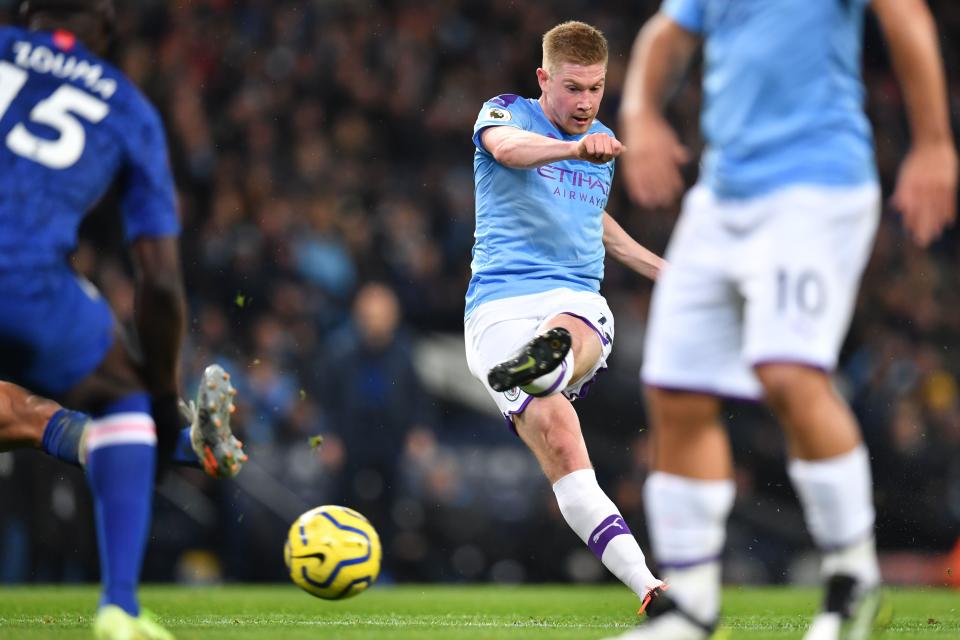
(542, 77)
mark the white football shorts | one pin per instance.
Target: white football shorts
(766, 279)
(497, 329)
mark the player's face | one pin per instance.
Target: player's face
(572, 95)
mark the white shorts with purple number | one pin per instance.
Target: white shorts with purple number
(497, 329)
(769, 279)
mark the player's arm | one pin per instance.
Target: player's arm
(628, 251)
(160, 311)
(926, 189)
(661, 54)
(519, 149)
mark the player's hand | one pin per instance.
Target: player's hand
(652, 161)
(598, 148)
(926, 193)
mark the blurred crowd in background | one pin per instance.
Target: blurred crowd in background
(323, 157)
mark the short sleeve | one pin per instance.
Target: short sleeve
(148, 199)
(506, 110)
(687, 13)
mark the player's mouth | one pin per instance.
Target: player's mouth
(583, 120)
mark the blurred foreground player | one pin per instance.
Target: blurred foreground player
(765, 262)
(70, 124)
(542, 173)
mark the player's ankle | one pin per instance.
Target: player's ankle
(858, 560)
(696, 589)
(63, 437)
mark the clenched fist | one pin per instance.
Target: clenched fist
(599, 148)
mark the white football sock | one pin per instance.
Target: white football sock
(837, 498)
(594, 517)
(687, 520)
(552, 382)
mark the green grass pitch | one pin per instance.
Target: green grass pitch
(440, 612)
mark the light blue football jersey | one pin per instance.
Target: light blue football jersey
(783, 96)
(537, 229)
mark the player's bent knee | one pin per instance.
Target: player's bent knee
(586, 343)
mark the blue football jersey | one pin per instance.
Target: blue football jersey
(70, 124)
(536, 229)
(782, 93)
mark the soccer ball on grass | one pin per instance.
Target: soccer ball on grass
(332, 552)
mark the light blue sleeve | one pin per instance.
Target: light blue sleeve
(687, 13)
(507, 110)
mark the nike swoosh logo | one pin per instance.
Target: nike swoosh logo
(530, 363)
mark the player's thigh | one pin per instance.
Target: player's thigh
(55, 330)
(805, 271)
(114, 378)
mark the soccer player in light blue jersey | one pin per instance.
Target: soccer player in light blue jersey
(765, 264)
(537, 329)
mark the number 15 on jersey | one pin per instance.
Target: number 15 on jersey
(59, 111)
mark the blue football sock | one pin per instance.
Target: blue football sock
(121, 457)
(61, 437)
(184, 454)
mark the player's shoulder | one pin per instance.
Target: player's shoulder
(131, 106)
(129, 96)
(506, 105)
(9, 32)
(507, 100)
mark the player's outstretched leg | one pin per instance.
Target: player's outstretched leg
(113, 623)
(541, 363)
(550, 427)
(211, 439)
(28, 420)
